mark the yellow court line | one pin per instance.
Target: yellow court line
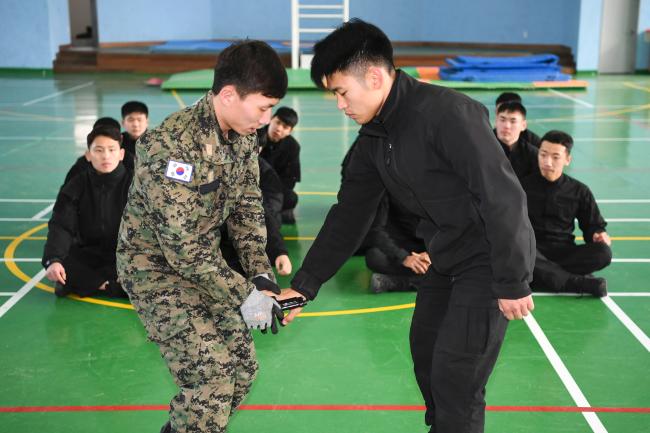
(14, 269)
(178, 99)
(636, 86)
(597, 115)
(31, 238)
(316, 193)
(299, 238)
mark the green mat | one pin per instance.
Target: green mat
(299, 79)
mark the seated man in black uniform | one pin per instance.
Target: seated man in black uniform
(509, 127)
(397, 257)
(528, 135)
(79, 253)
(83, 163)
(282, 151)
(135, 121)
(555, 200)
(393, 251)
(272, 199)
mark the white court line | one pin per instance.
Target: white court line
(612, 294)
(628, 220)
(625, 320)
(571, 98)
(22, 292)
(25, 200)
(612, 139)
(561, 370)
(630, 260)
(21, 260)
(54, 95)
(7, 293)
(44, 212)
(615, 200)
(22, 219)
(34, 137)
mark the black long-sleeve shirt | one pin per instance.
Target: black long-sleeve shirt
(522, 156)
(553, 208)
(87, 215)
(284, 157)
(272, 199)
(433, 150)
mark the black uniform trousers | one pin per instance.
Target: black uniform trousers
(557, 262)
(456, 334)
(290, 199)
(84, 275)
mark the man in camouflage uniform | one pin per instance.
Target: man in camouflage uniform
(195, 172)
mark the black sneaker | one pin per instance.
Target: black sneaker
(61, 291)
(591, 285)
(167, 428)
(288, 217)
(380, 283)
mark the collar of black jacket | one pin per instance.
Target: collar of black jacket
(107, 179)
(380, 124)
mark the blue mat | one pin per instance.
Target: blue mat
(207, 46)
(541, 67)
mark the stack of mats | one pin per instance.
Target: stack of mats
(207, 46)
(541, 67)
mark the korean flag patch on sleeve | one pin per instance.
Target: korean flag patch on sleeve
(179, 171)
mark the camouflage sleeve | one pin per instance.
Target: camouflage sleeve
(182, 222)
(246, 225)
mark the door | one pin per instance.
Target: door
(618, 36)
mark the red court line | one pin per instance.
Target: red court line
(320, 407)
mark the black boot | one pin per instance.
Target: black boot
(380, 283)
(591, 285)
(288, 217)
(167, 428)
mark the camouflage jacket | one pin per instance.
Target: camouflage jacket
(171, 226)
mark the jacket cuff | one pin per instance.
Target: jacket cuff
(401, 255)
(306, 284)
(511, 290)
(47, 262)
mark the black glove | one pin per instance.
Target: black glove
(263, 283)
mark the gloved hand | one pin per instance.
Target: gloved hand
(264, 283)
(261, 311)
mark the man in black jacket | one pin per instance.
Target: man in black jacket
(135, 120)
(510, 126)
(433, 150)
(527, 134)
(555, 201)
(282, 151)
(79, 254)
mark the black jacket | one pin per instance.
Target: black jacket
(393, 230)
(272, 199)
(82, 164)
(553, 208)
(284, 157)
(522, 156)
(433, 150)
(86, 217)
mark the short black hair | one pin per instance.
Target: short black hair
(512, 107)
(559, 137)
(287, 115)
(252, 67)
(134, 107)
(355, 44)
(107, 121)
(507, 97)
(104, 131)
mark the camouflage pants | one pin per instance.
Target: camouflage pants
(208, 350)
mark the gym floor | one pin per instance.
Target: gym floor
(69, 365)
